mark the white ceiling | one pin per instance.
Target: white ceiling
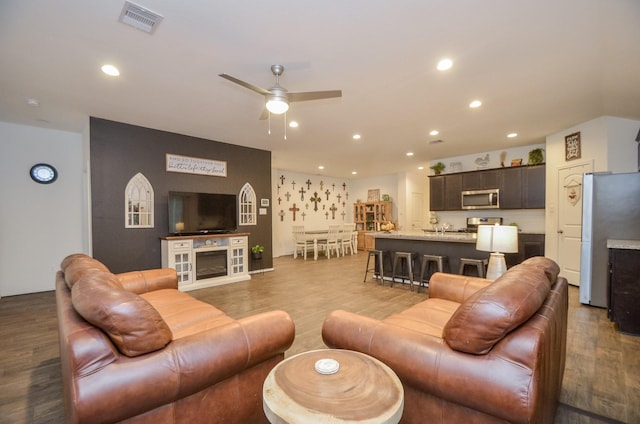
(539, 66)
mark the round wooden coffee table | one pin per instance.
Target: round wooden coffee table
(363, 390)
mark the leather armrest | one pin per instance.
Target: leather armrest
(185, 366)
(454, 287)
(428, 364)
(149, 280)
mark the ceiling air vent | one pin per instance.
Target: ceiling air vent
(139, 17)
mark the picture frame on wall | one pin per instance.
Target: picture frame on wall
(572, 146)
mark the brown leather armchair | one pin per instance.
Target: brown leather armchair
(476, 351)
(135, 349)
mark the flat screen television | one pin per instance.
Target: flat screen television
(202, 213)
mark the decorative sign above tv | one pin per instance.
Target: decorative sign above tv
(200, 166)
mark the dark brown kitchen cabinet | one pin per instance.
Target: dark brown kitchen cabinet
(480, 180)
(444, 192)
(624, 289)
(529, 245)
(522, 187)
(533, 187)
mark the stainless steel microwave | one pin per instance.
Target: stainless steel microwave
(481, 199)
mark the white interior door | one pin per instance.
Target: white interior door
(417, 211)
(570, 220)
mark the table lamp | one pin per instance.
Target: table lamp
(497, 239)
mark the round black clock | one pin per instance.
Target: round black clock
(43, 173)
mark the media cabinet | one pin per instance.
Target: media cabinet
(207, 260)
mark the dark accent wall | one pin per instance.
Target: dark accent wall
(119, 151)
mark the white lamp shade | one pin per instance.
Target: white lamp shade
(497, 238)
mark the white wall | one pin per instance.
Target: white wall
(607, 142)
(39, 223)
(355, 189)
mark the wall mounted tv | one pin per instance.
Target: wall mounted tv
(202, 213)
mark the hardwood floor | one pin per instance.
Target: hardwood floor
(601, 382)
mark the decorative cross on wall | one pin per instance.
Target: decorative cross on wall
(321, 185)
(326, 215)
(293, 184)
(294, 209)
(287, 195)
(344, 186)
(333, 210)
(306, 206)
(334, 187)
(281, 179)
(308, 183)
(303, 215)
(279, 200)
(278, 188)
(315, 199)
(339, 196)
(347, 195)
(343, 213)
(281, 214)
(327, 193)
(302, 191)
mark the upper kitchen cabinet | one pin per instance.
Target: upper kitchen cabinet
(481, 180)
(445, 192)
(521, 187)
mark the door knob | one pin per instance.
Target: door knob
(560, 231)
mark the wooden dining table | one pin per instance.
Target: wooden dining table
(315, 236)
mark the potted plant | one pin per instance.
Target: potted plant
(256, 251)
(438, 168)
(536, 157)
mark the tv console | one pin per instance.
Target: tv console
(207, 260)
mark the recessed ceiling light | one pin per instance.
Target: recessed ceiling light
(293, 124)
(445, 64)
(409, 153)
(356, 137)
(321, 167)
(110, 70)
(512, 135)
(476, 103)
(434, 132)
(33, 102)
(421, 168)
(354, 172)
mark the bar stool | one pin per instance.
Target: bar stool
(377, 257)
(480, 265)
(427, 260)
(404, 259)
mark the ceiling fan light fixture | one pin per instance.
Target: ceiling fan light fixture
(277, 105)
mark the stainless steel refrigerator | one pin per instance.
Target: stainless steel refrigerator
(610, 210)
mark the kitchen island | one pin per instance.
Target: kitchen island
(453, 245)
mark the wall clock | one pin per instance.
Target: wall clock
(43, 173)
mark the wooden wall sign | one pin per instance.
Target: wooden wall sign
(189, 165)
(572, 148)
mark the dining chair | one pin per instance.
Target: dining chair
(347, 239)
(332, 241)
(301, 242)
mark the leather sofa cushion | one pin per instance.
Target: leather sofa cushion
(78, 265)
(131, 323)
(491, 313)
(550, 268)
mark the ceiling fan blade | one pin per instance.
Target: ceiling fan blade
(313, 95)
(245, 84)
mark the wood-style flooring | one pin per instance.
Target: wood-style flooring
(601, 382)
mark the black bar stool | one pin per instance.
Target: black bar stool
(427, 261)
(480, 265)
(404, 259)
(377, 257)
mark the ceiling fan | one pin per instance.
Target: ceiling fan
(277, 98)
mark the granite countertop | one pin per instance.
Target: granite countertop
(623, 244)
(428, 236)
